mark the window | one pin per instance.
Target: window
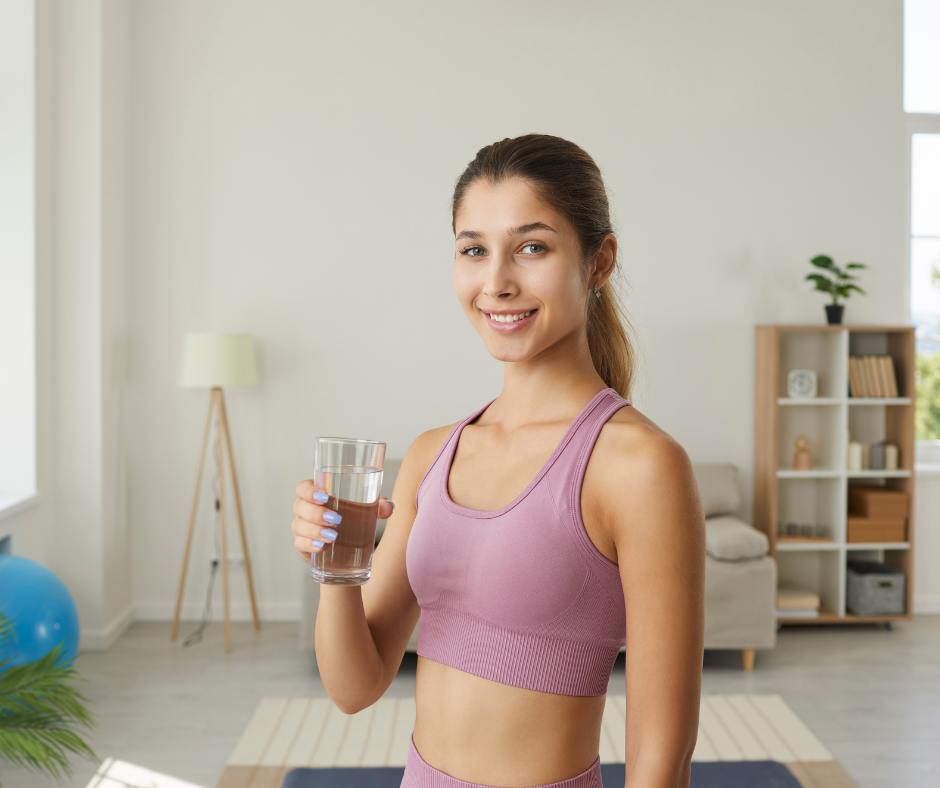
(17, 257)
(922, 106)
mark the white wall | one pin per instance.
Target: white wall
(291, 170)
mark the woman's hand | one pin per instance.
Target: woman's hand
(315, 526)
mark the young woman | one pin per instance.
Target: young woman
(540, 534)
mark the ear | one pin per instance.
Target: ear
(605, 260)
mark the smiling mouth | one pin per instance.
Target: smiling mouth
(510, 318)
(509, 323)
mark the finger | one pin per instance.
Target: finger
(307, 530)
(316, 513)
(306, 547)
(310, 492)
(386, 507)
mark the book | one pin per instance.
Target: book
(882, 376)
(855, 383)
(891, 378)
(873, 377)
(798, 613)
(863, 377)
(790, 597)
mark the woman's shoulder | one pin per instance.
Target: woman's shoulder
(634, 454)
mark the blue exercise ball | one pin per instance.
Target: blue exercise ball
(41, 610)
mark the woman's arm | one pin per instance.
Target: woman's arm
(652, 510)
(362, 631)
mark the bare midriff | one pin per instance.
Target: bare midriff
(508, 736)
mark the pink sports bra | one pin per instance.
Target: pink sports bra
(519, 595)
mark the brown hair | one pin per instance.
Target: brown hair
(567, 179)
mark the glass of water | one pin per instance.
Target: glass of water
(350, 472)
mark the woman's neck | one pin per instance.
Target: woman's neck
(549, 387)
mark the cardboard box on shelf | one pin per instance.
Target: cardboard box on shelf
(870, 529)
(877, 502)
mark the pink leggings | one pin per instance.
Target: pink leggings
(419, 774)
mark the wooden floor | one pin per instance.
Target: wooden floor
(870, 696)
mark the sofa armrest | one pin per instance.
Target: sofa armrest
(730, 539)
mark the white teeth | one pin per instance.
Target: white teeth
(510, 318)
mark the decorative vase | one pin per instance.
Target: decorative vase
(834, 314)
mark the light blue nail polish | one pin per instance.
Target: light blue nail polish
(333, 518)
(328, 533)
(321, 497)
(317, 543)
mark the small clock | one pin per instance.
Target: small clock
(801, 384)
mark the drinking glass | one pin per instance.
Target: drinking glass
(350, 472)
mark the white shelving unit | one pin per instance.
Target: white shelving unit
(820, 495)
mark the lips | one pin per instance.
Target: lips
(510, 327)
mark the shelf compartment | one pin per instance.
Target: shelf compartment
(896, 343)
(871, 424)
(818, 501)
(821, 352)
(823, 427)
(819, 571)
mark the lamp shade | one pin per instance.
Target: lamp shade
(210, 360)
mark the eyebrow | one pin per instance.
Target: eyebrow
(523, 228)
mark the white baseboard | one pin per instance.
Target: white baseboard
(103, 639)
(238, 612)
(926, 604)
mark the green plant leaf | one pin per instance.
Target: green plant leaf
(38, 709)
(40, 742)
(856, 265)
(822, 261)
(822, 284)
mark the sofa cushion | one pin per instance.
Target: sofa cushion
(729, 539)
(718, 484)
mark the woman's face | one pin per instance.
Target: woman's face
(517, 257)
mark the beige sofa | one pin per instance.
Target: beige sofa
(740, 578)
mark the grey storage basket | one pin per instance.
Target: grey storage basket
(874, 589)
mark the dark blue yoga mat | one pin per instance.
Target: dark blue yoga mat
(715, 774)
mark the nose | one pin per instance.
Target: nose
(498, 277)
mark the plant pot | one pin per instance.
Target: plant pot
(834, 314)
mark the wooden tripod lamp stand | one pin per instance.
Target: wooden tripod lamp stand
(213, 361)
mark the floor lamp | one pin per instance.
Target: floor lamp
(213, 361)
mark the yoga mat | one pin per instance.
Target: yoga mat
(718, 774)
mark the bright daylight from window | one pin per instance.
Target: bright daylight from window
(922, 96)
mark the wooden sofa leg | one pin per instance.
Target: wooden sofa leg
(748, 655)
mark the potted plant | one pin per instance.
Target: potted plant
(39, 712)
(836, 282)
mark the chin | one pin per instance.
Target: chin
(508, 353)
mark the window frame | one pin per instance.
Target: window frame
(925, 451)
